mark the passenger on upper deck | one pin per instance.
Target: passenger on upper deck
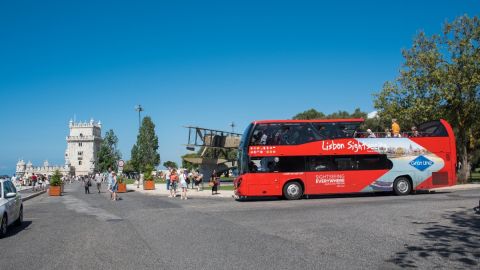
(388, 134)
(370, 134)
(415, 132)
(395, 128)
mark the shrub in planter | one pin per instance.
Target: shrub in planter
(149, 183)
(55, 184)
(122, 184)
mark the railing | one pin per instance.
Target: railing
(390, 135)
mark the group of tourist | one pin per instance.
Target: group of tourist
(110, 178)
(394, 131)
(184, 178)
(37, 182)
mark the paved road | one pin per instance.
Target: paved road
(79, 231)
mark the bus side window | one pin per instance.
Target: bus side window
(302, 133)
(374, 162)
(344, 163)
(291, 164)
(321, 163)
(325, 130)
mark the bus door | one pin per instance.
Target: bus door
(264, 176)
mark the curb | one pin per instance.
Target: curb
(457, 188)
(31, 196)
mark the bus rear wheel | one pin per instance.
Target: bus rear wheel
(402, 186)
(293, 190)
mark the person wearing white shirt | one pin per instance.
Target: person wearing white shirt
(167, 177)
(98, 180)
(183, 185)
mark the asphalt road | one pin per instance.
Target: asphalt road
(78, 231)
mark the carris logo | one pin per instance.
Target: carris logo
(421, 163)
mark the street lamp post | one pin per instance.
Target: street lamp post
(139, 109)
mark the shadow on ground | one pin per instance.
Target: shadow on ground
(13, 230)
(456, 241)
(342, 196)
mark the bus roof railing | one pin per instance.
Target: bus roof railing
(355, 120)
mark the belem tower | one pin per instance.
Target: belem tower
(83, 145)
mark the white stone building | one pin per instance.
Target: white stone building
(27, 169)
(83, 144)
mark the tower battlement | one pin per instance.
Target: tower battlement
(85, 124)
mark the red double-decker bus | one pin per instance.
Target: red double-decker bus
(293, 158)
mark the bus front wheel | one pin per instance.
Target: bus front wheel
(293, 190)
(402, 186)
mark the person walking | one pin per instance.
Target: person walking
(110, 182)
(199, 181)
(86, 184)
(215, 182)
(188, 177)
(98, 180)
(191, 178)
(183, 184)
(114, 186)
(34, 181)
(167, 177)
(40, 182)
(173, 184)
(140, 180)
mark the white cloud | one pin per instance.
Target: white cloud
(372, 115)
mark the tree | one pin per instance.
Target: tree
(144, 153)
(108, 155)
(314, 114)
(128, 168)
(170, 164)
(309, 115)
(440, 79)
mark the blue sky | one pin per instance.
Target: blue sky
(204, 63)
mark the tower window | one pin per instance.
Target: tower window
(79, 162)
(80, 144)
(80, 153)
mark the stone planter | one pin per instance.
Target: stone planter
(148, 185)
(122, 188)
(55, 191)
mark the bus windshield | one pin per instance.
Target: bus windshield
(243, 151)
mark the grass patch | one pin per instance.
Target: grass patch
(225, 187)
(475, 177)
(226, 179)
(157, 181)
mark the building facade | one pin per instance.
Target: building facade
(83, 145)
(27, 169)
(81, 155)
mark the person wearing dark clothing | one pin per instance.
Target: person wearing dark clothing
(87, 183)
(215, 182)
